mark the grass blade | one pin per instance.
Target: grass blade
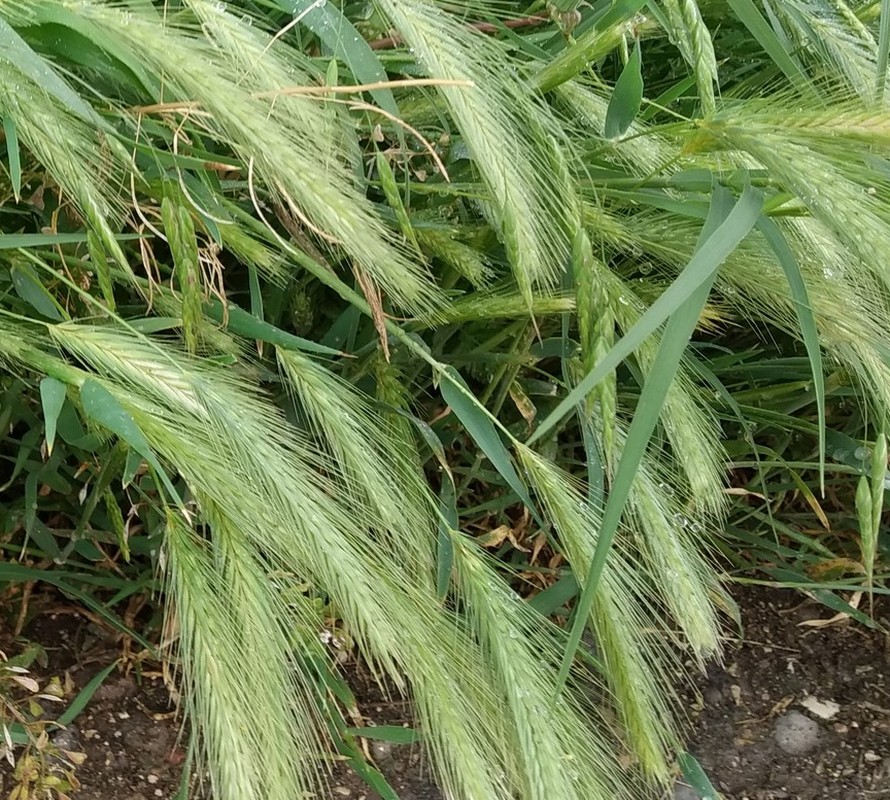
(448, 522)
(696, 777)
(29, 287)
(883, 51)
(330, 25)
(16, 50)
(386, 733)
(243, 323)
(14, 156)
(84, 696)
(807, 321)
(52, 397)
(699, 270)
(760, 29)
(14, 241)
(483, 432)
(104, 408)
(725, 227)
(627, 96)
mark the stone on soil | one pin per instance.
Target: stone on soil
(683, 792)
(796, 734)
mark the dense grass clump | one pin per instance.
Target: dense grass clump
(449, 324)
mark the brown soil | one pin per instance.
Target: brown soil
(132, 737)
(129, 731)
(838, 676)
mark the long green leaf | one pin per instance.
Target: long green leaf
(699, 270)
(29, 287)
(39, 70)
(89, 36)
(103, 407)
(330, 25)
(807, 321)
(14, 241)
(626, 97)
(883, 52)
(760, 29)
(448, 522)
(84, 696)
(245, 324)
(13, 156)
(483, 432)
(696, 777)
(726, 228)
(386, 733)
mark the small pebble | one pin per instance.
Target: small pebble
(796, 734)
(872, 756)
(67, 739)
(382, 750)
(684, 792)
(152, 778)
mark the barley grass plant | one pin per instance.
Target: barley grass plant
(303, 300)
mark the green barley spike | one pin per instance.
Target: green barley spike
(118, 527)
(394, 198)
(180, 231)
(99, 259)
(596, 323)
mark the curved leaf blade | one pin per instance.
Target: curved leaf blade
(483, 431)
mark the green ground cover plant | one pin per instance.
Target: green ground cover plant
(473, 327)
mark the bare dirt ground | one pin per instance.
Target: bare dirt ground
(797, 712)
